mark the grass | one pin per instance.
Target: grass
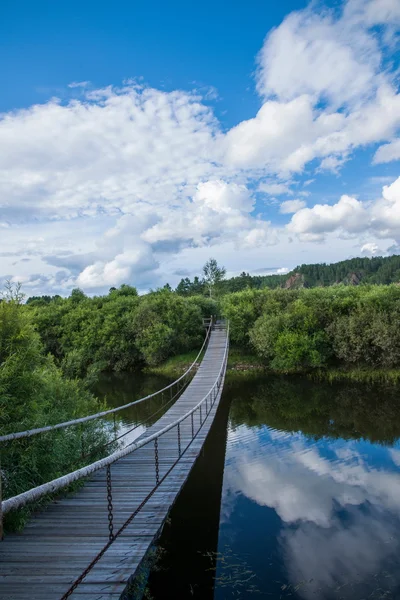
(357, 374)
(175, 365)
(238, 360)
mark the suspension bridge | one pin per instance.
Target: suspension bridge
(89, 544)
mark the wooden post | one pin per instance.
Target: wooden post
(1, 511)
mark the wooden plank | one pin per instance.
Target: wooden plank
(58, 544)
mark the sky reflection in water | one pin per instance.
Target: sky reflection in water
(308, 516)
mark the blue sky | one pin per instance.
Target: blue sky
(138, 139)
(174, 45)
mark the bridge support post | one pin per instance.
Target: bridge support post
(156, 461)
(110, 506)
(1, 510)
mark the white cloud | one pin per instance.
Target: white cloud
(351, 216)
(313, 58)
(332, 163)
(373, 12)
(371, 249)
(224, 198)
(334, 60)
(78, 84)
(104, 153)
(386, 211)
(119, 270)
(348, 214)
(274, 138)
(291, 206)
(274, 189)
(388, 152)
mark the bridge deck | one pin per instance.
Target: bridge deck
(57, 545)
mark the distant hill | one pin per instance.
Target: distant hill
(380, 270)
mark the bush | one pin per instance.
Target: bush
(33, 393)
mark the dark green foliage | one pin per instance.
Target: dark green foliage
(380, 270)
(294, 330)
(33, 393)
(255, 282)
(186, 287)
(121, 331)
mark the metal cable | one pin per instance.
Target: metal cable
(116, 439)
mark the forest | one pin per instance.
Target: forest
(378, 270)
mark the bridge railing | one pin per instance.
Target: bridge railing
(196, 418)
(179, 383)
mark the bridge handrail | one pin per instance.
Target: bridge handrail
(61, 482)
(30, 432)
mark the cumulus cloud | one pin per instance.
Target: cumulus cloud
(291, 206)
(118, 270)
(388, 152)
(348, 214)
(338, 64)
(371, 249)
(352, 216)
(104, 153)
(386, 211)
(224, 198)
(330, 63)
(274, 188)
(274, 139)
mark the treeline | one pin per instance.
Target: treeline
(187, 287)
(377, 270)
(290, 330)
(119, 331)
(305, 329)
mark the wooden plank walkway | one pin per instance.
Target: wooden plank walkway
(56, 546)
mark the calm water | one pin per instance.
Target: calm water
(119, 389)
(296, 495)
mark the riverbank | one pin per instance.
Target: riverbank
(242, 363)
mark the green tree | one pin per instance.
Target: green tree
(213, 275)
(33, 393)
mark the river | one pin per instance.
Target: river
(296, 495)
